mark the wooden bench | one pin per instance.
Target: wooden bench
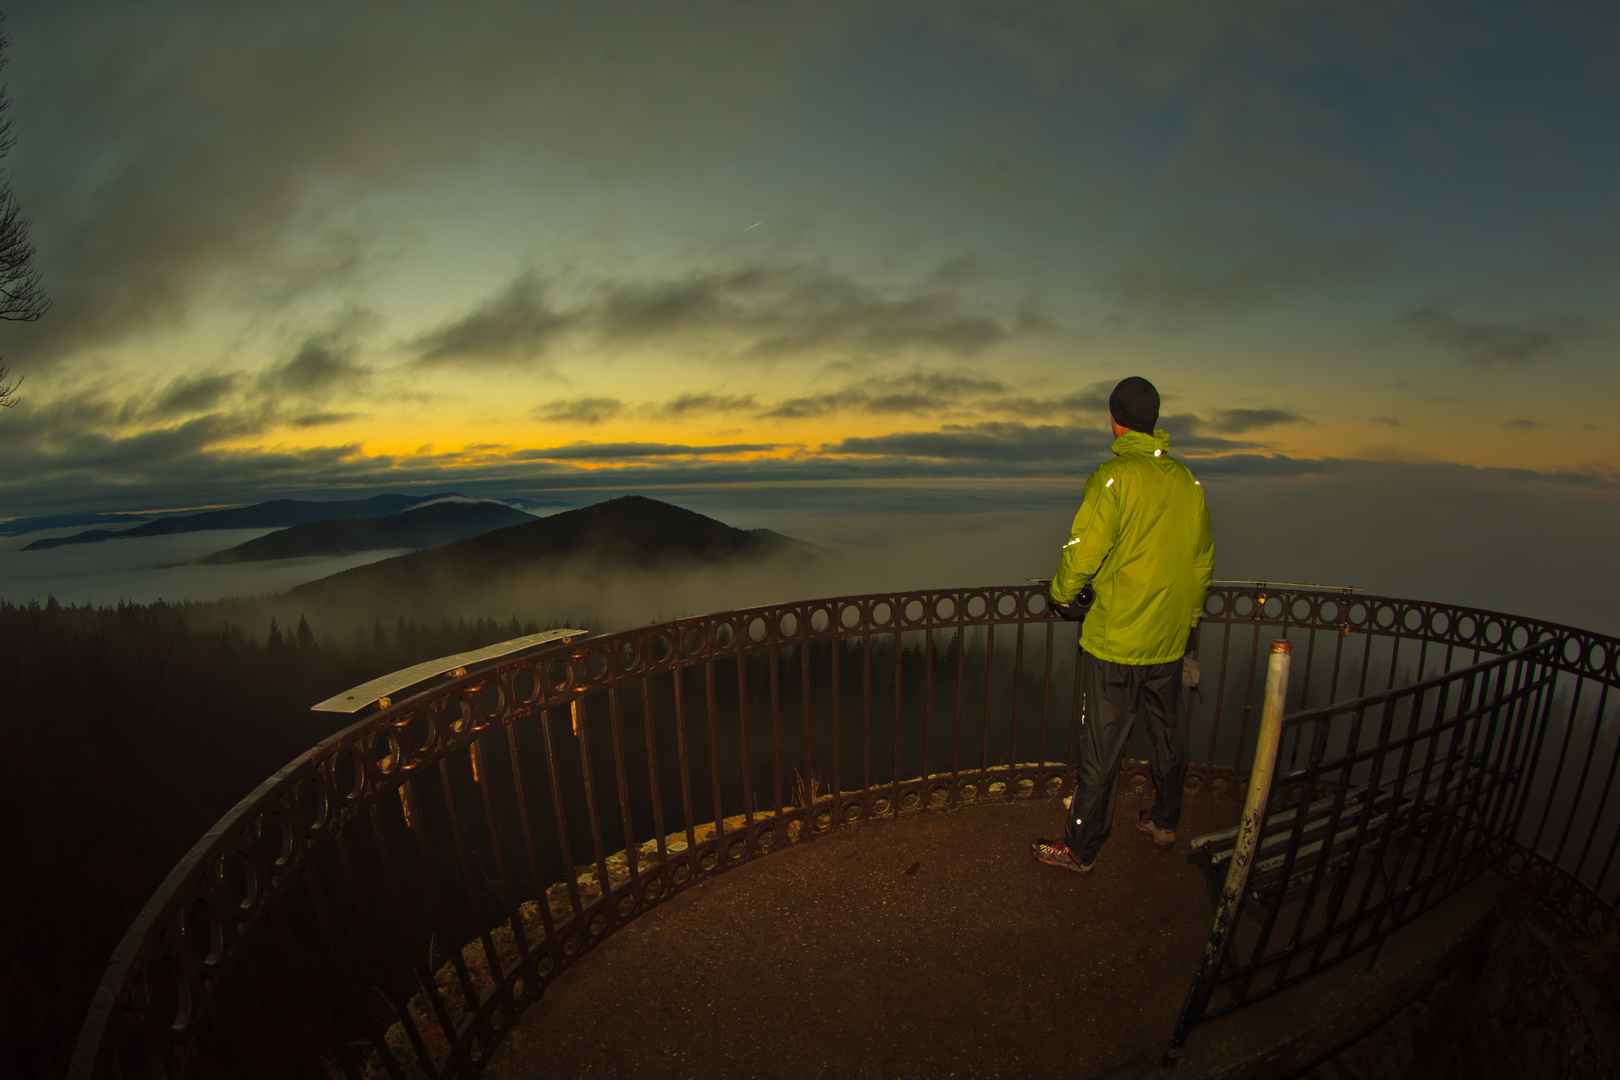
(1214, 850)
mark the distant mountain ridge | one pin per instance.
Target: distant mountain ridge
(433, 525)
(278, 513)
(21, 525)
(632, 531)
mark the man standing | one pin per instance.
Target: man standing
(1142, 543)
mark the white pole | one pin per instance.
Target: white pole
(1237, 875)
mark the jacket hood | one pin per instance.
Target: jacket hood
(1140, 442)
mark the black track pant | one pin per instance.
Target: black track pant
(1114, 695)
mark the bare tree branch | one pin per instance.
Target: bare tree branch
(22, 296)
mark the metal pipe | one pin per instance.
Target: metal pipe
(1237, 874)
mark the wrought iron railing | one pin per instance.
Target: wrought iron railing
(1387, 805)
(391, 901)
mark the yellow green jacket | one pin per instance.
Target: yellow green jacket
(1142, 539)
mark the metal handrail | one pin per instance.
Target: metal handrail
(316, 919)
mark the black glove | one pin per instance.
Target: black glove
(1075, 610)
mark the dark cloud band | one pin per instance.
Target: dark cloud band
(1517, 341)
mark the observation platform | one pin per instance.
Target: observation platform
(934, 945)
(818, 933)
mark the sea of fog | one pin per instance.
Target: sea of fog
(1494, 540)
(143, 569)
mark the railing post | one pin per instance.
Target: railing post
(1237, 874)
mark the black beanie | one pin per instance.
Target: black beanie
(1135, 404)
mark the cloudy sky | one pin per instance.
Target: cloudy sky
(531, 248)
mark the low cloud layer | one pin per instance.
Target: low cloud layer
(1239, 421)
(778, 310)
(996, 442)
(187, 395)
(632, 451)
(949, 392)
(1017, 443)
(1222, 266)
(585, 410)
(517, 327)
(590, 411)
(687, 405)
(755, 312)
(915, 393)
(1531, 338)
(324, 365)
(1464, 535)
(88, 453)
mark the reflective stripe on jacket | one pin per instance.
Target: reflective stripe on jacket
(1142, 539)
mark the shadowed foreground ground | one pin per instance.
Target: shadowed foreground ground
(934, 945)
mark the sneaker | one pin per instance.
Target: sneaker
(1161, 837)
(1056, 853)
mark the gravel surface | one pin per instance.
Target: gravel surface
(933, 945)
